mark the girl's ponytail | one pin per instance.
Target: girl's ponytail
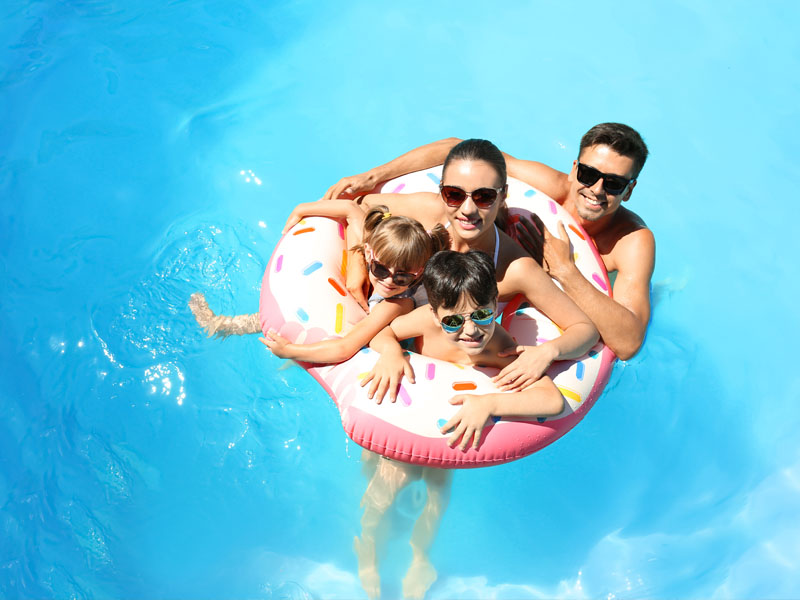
(440, 238)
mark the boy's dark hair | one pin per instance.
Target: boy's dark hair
(622, 139)
(449, 275)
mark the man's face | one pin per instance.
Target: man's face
(593, 202)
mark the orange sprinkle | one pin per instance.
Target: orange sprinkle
(306, 230)
(577, 231)
(461, 386)
(344, 263)
(337, 287)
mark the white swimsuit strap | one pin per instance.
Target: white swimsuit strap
(496, 245)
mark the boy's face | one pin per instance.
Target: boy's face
(477, 328)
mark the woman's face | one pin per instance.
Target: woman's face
(468, 221)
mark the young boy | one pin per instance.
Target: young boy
(457, 326)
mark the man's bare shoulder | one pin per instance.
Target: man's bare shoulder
(628, 243)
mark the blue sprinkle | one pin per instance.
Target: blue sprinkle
(311, 268)
(529, 193)
(365, 350)
(302, 314)
(440, 423)
(592, 353)
(579, 370)
(541, 419)
(495, 419)
(434, 178)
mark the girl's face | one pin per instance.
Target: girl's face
(469, 219)
(467, 325)
(386, 281)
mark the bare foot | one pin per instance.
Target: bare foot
(419, 578)
(367, 567)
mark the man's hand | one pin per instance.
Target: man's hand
(350, 187)
(558, 261)
(530, 235)
(529, 366)
(468, 422)
(387, 374)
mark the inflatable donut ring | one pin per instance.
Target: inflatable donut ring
(303, 297)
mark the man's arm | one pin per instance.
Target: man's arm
(546, 179)
(621, 321)
(423, 157)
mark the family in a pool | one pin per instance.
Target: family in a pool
(439, 268)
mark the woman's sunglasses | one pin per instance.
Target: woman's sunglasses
(381, 272)
(612, 184)
(482, 197)
(454, 323)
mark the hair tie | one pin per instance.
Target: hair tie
(386, 215)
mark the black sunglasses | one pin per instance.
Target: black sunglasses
(612, 184)
(382, 272)
(482, 197)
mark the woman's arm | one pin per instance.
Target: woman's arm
(541, 399)
(526, 277)
(338, 350)
(423, 157)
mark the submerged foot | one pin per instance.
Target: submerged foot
(419, 578)
(368, 567)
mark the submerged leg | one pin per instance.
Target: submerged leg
(221, 325)
(388, 478)
(421, 573)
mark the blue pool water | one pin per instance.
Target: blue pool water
(151, 149)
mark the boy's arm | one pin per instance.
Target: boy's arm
(393, 364)
(541, 399)
(338, 350)
(423, 157)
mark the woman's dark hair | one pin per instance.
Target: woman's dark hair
(449, 275)
(621, 138)
(478, 150)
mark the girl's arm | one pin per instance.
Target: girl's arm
(335, 209)
(338, 350)
(541, 399)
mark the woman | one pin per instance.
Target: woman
(471, 198)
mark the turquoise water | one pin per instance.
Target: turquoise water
(152, 149)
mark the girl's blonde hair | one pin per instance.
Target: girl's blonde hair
(399, 242)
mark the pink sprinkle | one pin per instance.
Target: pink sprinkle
(553, 208)
(279, 263)
(542, 340)
(341, 231)
(430, 372)
(404, 397)
(600, 281)
(398, 188)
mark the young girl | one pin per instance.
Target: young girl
(395, 250)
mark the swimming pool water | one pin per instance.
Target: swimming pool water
(152, 149)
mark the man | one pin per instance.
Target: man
(604, 175)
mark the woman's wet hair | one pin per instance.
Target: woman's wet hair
(474, 149)
(399, 242)
(621, 138)
(450, 276)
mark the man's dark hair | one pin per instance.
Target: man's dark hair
(449, 275)
(621, 138)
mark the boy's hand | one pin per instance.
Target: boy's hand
(387, 374)
(278, 344)
(529, 366)
(469, 421)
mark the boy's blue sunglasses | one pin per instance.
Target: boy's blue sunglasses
(454, 323)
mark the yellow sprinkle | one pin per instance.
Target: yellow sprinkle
(567, 393)
(339, 318)
(361, 376)
(458, 365)
(575, 257)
